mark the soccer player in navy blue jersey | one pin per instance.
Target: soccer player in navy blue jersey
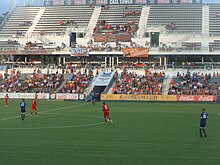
(203, 118)
(93, 97)
(23, 106)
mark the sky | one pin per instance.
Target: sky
(4, 4)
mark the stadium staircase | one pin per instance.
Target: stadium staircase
(166, 82)
(17, 18)
(113, 84)
(143, 21)
(92, 22)
(35, 21)
(205, 20)
(68, 77)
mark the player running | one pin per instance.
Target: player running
(105, 109)
(6, 100)
(203, 118)
(34, 107)
(23, 106)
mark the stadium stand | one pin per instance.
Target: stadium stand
(215, 45)
(16, 82)
(114, 19)
(20, 20)
(196, 83)
(9, 45)
(187, 18)
(56, 19)
(214, 20)
(131, 83)
(78, 83)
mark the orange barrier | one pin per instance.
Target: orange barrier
(138, 97)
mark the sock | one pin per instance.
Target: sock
(200, 132)
(204, 132)
(23, 116)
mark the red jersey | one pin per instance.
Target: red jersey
(36, 96)
(105, 107)
(6, 97)
(34, 103)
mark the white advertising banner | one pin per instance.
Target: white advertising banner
(25, 95)
(67, 96)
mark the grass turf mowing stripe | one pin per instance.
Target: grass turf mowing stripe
(8, 118)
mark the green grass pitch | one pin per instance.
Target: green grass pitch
(143, 133)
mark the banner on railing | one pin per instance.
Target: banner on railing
(79, 52)
(67, 96)
(138, 97)
(196, 98)
(101, 2)
(81, 97)
(25, 95)
(135, 52)
(112, 37)
(103, 79)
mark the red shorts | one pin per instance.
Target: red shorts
(34, 108)
(6, 102)
(106, 113)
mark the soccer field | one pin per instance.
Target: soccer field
(143, 133)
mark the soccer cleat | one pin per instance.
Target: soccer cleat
(111, 121)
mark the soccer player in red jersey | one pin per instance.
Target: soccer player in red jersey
(34, 107)
(6, 100)
(105, 109)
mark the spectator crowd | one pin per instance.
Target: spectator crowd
(78, 83)
(195, 84)
(131, 83)
(15, 82)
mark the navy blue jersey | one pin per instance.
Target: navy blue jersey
(203, 117)
(92, 96)
(23, 106)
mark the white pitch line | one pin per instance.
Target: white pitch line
(55, 127)
(8, 118)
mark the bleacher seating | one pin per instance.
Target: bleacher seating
(215, 45)
(78, 83)
(187, 18)
(50, 20)
(131, 83)
(16, 22)
(192, 45)
(195, 84)
(214, 20)
(116, 15)
(32, 83)
(9, 45)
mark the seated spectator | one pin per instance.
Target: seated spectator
(131, 83)
(78, 83)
